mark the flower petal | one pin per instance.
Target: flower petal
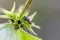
(9, 33)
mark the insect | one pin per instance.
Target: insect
(17, 21)
(27, 18)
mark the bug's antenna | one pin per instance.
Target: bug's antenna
(26, 6)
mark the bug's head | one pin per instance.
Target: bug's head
(28, 19)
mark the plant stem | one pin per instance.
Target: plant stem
(26, 6)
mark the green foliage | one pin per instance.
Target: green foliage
(20, 20)
(26, 36)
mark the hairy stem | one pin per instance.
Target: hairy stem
(26, 6)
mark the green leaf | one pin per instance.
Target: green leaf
(4, 11)
(4, 16)
(13, 8)
(26, 36)
(19, 10)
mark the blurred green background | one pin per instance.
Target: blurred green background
(48, 16)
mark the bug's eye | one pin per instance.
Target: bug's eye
(28, 19)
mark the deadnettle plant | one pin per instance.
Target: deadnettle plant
(18, 21)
